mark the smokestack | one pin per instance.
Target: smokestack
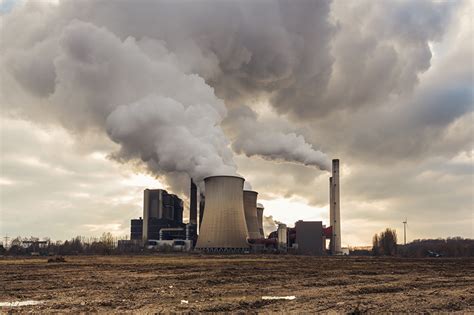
(260, 209)
(250, 209)
(334, 209)
(193, 203)
(223, 228)
(331, 214)
(202, 203)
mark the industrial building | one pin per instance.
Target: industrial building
(306, 238)
(162, 218)
(160, 209)
(310, 238)
(230, 220)
(136, 229)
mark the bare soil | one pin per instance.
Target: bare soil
(162, 283)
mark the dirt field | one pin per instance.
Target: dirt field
(237, 283)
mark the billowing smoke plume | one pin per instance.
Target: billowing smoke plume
(254, 138)
(136, 92)
(103, 66)
(269, 225)
(154, 75)
(172, 137)
(247, 185)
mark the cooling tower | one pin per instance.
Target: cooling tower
(260, 209)
(250, 209)
(223, 225)
(282, 233)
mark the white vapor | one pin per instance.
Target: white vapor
(149, 86)
(254, 138)
(156, 76)
(137, 93)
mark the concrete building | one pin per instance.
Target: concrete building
(250, 209)
(223, 227)
(310, 238)
(160, 210)
(136, 229)
(260, 209)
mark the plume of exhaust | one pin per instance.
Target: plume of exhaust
(254, 138)
(134, 91)
(269, 225)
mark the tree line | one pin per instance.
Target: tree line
(385, 244)
(107, 244)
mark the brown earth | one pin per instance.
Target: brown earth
(150, 284)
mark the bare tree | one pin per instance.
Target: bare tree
(385, 243)
(375, 245)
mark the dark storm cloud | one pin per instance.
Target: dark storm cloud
(378, 50)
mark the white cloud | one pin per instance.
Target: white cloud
(52, 189)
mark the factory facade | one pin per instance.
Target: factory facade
(162, 218)
(231, 221)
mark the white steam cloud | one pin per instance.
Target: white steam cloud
(137, 93)
(171, 137)
(108, 67)
(269, 225)
(254, 138)
(154, 75)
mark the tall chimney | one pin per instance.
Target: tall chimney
(193, 203)
(202, 204)
(335, 211)
(260, 209)
(331, 214)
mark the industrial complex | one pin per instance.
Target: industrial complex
(230, 220)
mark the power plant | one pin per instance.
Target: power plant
(230, 220)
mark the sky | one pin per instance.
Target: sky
(102, 99)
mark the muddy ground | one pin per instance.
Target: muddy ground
(237, 283)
